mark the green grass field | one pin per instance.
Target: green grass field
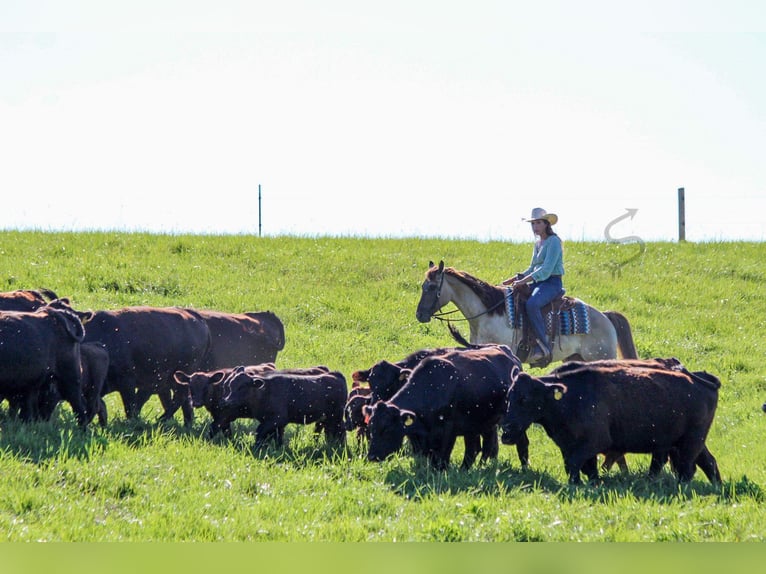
(348, 303)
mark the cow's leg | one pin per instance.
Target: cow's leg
(128, 397)
(141, 397)
(69, 384)
(167, 402)
(186, 408)
(101, 411)
(280, 435)
(269, 430)
(579, 460)
(572, 467)
(28, 405)
(684, 460)
(182, 397)
(590, 469)
(334, 431)
(522, 450)
(126, 386)
(441, 454)
(490, 446)
(472, 448)
(659, 458)
(707, 462)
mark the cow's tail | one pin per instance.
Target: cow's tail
(625, 341)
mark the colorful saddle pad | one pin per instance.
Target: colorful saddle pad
(574, 321)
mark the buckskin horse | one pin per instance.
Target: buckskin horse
(483, 306)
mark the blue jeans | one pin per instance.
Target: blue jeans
(543, 292)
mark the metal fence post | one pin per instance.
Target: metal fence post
(681, 215)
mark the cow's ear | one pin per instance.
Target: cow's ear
(181, 378)
(256, 383)
(405, 374)
(217, 377)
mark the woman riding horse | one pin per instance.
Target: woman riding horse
(544, 274)
(607, 336)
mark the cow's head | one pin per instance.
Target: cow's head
(528, 399)
(353, 415)
(199, 385)
(385, 379)
(387, 426)
(241, 386)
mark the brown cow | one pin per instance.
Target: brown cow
(241, 338)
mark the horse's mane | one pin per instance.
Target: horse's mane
(489, 295)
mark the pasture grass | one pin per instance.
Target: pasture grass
(347, 303)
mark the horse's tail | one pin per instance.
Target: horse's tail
(458, 337)
(624, 334)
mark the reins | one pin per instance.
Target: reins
(441, 316)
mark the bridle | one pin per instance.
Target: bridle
(445, 316)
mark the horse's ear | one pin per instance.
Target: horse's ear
(430, 264)
(441, 266)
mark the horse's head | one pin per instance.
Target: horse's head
(431, 294)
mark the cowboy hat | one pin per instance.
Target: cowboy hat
(540, 213)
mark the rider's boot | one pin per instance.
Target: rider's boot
(541, 354)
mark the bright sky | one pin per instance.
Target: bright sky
(387, 118)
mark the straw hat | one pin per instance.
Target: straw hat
(540, 213)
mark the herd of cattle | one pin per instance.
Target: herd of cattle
(225, 363)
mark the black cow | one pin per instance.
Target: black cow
(94, 365)
(206, 390)
(25, 299)
(146, 346)
(35, 348)
(589, 409)
(459, 393)
(353, 414)
(385, 379)
(279, 397)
